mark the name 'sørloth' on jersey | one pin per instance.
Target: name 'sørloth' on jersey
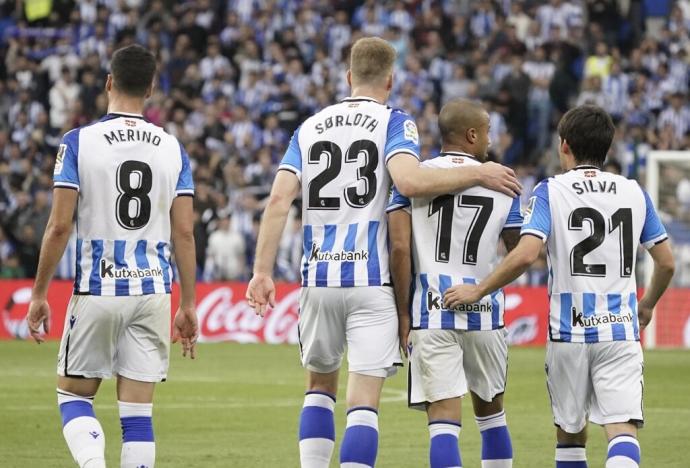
(127, 172)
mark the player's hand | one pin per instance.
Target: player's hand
(186, 330)
(39, 314)
(461, 294)
(404, 332)
(261, 292)
(644, 313)
(497, 177)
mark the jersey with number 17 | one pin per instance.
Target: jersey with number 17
(340, 156)
(127, 172)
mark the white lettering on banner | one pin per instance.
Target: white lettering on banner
(522, 330)
(16, 324)
(222, 320)
(686, 334)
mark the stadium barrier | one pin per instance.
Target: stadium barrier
(224, 315)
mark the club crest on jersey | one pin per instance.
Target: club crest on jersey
(411, 133)
(529, 209)
(60, 159)
(341, 256)
(108, 270)
(579, 320)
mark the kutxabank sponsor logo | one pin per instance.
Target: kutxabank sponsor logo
(317, 255)
(435, 302)
(108, 270)
(579, 320)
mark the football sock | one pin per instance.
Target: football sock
(624, 452)
(571, 456)
(316, 430)
(83, 433)
(497, 450)
(361, 439)
(138, 446)
(444, 451)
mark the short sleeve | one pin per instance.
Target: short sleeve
(185, 182)
(398, 201)
(66, 172)
(292, 160)
(653, 231)
(515, 219)
(402, 136)
(537, 215)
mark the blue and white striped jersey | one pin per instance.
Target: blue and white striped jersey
(592, 223)
(127, 172)
(340, 155)
(454, 241)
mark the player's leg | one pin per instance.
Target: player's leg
(142, 360)
(322, 344)
(617, 399)
(373, 351)
(85, 357)
(437, 381)
(570, 389)
(486, 365)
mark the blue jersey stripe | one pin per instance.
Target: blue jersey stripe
(614, 306)
(142, 262)
(566, 316)
(474, 319)
(95, 278)
(308, 236)
(589, 306)
(121, 285)
(424, 313)
(373, 268)
(329, 231)
(77, 274)
(347, 269)
(495, 310)
(165, 265)
(447, 316)
(632, 303)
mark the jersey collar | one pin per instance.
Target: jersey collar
(457, 153)
(113, 115)
(360, 99)
(586, 166)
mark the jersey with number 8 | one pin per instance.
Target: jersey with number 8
(127, 172)
(592, 223)
(340, 154)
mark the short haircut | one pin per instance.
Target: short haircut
(456, 117)
(589, 131)
(371, 61)
(133, 68)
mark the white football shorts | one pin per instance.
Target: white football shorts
(599, 380)
(444, 364)
(363, 318)
(123, 335)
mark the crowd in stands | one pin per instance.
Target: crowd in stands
(237, 77)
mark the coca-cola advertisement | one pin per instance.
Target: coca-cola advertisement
(224, 314)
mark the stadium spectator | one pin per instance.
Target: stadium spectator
(226, 253)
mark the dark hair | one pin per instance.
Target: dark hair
(133, 68)
(588, 130)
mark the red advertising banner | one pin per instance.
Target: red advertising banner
(224, 315)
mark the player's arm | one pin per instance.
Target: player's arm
(400, 234)
(511, 229)
(261, 291)
(412, 180)
(185, 326)
(55, 240)
(511, 238)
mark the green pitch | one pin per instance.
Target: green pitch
(237, 406)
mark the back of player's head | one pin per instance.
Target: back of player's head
(371, 61)
(588, 131)
(133, 68)
(457, 117)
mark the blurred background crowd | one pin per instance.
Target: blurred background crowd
(237, 77)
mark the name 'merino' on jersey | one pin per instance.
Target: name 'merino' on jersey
(340, 154)
(454, 240)
(592, 223)
(127, 172)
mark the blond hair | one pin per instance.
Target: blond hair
(371, 61)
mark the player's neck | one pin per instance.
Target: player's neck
(364, 91)
(123, 105)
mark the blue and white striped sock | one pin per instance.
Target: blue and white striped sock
(571, 456)
(624, 452)
(497, 449)
(138, 446)
(444, 451)
(361, 440)
(316, 430)
(83, 433)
